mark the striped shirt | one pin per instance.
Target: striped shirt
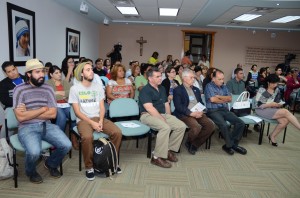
(33, 98)
(212, 90)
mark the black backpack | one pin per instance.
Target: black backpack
(105, 157)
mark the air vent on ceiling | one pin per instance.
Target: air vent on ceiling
(261, 10)
(234, 23)
(124, 3)
(132, 17)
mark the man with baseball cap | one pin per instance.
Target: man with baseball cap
(34, 105)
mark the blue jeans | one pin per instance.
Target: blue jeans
(219, 117)
(31, 137)
(61, 118)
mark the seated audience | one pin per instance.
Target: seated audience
(261, 77)
(292, 87)
(186, 96)
(8, 84)
(141, 80)
(67, 67)
(156, 113)
(119, 86)
(204, 61)
(47, 67)
(99, 70)
(217, 96)
(198, 82)
(252, 77)
(169, 60)
(34, 106)
(208, 77)
(269, 106)
(176, 62)
(186, 58)
(153, 59)
(204, 72)
(87, 99)
(106, 65)
(61, 90)
(239, 65)
(178, 69)
(170, 83)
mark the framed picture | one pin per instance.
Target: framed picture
(72, 43)
(21, 33)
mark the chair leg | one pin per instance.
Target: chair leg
(149, 144)
(61, 169)
(80, 150)
(70, 152)
(15, 168)
(261, 132)
(268, 129)
(137, 142)
(284, 135)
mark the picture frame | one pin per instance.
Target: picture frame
(72, 43)
(21, 34)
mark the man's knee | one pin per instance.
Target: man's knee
(87, 137)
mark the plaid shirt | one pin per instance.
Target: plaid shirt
(212, 90)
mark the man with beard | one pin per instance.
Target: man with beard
(87, 99)
(34, 105)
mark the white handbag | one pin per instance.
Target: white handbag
(243, 101)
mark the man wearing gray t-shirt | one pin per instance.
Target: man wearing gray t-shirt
(87, 99)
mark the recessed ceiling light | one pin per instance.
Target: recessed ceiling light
(128, 10)
(168, 11)
(247, 17)
(277, 4)
(286, 19)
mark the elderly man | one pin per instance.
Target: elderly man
(217, 96)
(186, 96)
(156, 113)
(34, 105)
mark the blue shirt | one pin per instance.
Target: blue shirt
(212, 90)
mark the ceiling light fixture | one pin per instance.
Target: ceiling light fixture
(168, 11)
(128, 10)
(286, 19)
(84, 8)
(247, 17)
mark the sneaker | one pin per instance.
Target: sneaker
(119, 171)
(36, 178)
(53, 171)
(90, 175)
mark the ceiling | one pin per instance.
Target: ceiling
(193, 13)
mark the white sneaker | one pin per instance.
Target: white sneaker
(90, 175)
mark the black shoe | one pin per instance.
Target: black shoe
(273, 143)
(240, 150)
(191, 148)
(119, 171)
(53, 171)
(187, 145)
(228, 150)
(90, 175)
(256, 128)
(36, 178)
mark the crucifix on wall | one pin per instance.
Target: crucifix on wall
(141, 42)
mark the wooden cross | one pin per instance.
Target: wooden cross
(141, 42)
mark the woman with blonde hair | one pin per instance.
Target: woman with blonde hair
(119, 86)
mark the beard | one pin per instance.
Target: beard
(37, 82)
(88, 79)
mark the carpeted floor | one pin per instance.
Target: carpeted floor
(266, 171)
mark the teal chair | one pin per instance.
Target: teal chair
(74, 131)
(126, 111)
(296, 101)
(11, 123)
(248, 121)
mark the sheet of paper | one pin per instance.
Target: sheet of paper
(254, 118)
(198, 107)
(129, 124)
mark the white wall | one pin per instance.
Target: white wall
(51, 21)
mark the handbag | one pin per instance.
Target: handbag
(242, 106)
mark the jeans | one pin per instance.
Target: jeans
(219, 117)
(31, 137)
(61, 118)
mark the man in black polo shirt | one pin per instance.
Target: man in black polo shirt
(156, 113)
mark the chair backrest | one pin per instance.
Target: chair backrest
(233, 99)
(105, 79)
(172, 106)
(11, 120)
(72, 114)
(203, 99)
(123, 107)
